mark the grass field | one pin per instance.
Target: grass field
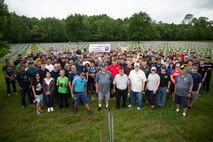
(130, 125)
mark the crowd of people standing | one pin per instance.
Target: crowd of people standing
(54, 78)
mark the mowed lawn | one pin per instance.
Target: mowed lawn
(130, 125)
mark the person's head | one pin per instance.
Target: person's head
(168, 60)
(22, 68)
(43, 65)
(114, 61)
(202, 62)
(153, 70)
(92, 64)
(208, 59)
(194, 59)
(82, 75)
(190, 63)
(163, 68)
(37, 76)
(48, 75)
(55, 67)
(73, 68)
(71, 62)
(31, 64)
(7, 61)
(171, 65)
(62, 73)
(195, 68)
(177, 66)
(185, 59)
(129, 63)
(121, 71)
(103, 67)
(183, 70)
(136, 66)
(122, 61)
(49, 61)
(144, 62)
(67, 66)
(158, 61)
(153, 59)
(19, 56)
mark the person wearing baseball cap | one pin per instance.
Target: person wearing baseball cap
(137, 79)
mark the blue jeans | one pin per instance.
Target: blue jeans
(161, 96)
(49, 100)
(139, 98)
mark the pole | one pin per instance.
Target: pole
(100, 136)
(108, 124)
(112, 129)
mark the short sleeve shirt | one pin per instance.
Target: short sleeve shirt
(136, 79)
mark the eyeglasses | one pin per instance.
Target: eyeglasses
(37, 76)
(153, 70)
(163, 68)
(195, 68)
(83, 74)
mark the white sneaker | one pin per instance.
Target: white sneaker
(8, 94)
(129, 106)
(51, 109)
(38, 112)
(177, 110)
(48, 110)
(138, 108)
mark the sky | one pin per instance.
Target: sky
(168, 11)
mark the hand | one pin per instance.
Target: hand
(167, 90)
(142, 89)
(113, 90)
(35, 96)
(154, 91)
(72, 95)
(189, 95)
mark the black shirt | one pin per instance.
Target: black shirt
(38, 85)
(55, 75)
(209, 66)
(42, 73)
(164, 79)
(9, 69)
(196, 80)
(23, 79)
(202, 71)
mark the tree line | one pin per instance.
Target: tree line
(77, 27)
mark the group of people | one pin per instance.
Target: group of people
(55, 77)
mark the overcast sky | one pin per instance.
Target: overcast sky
(170, 11)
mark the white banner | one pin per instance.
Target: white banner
(99, 48)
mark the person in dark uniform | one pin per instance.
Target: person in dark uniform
(9, 73)
(209, 67)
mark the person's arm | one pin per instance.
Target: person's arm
(171, 77)
(85, 89)
(4, 73)
(158, 83)
(97, 87)
(72, 93)
(204, 78)
(168, 87)
(33, 88)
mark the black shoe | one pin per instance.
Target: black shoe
(189, 107)
(99, 109)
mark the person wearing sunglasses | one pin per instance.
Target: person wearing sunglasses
(153, 82)
(79, 91)
(183, 89)
(197, 83)
(38, 92)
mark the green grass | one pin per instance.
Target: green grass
(130, 125)
(34, 48)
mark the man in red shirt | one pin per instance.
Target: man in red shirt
(114, 69)
(173, 76)
(183, 55)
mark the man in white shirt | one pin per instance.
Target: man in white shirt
(137, 79)
(49, 66)
(120, 83)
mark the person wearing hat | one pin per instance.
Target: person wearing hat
(137, 79)
(183, 89)
(9, 74)
(183, 54)
(153, 82)
(79, 91)
(163, 87)
(103, 80)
